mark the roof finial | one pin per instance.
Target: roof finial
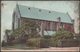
(16, 3)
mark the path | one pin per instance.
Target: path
(51, 49)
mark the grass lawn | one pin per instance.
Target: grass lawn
(19, 46)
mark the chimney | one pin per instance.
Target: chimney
(59, 19)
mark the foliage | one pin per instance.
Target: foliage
(27, 30)
(61, 35)
(47, 36)
(53, 42)
(38, 42)
(33, 42)
(44, 43)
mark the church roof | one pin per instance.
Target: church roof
(43, 14)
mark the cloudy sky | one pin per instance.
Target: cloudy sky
(60, 6)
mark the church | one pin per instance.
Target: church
(49, 21)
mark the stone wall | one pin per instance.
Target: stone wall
(70, 43)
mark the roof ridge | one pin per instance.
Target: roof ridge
(42, 9)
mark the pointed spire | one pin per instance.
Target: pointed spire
(68, 14)
(17, 6)
(16, 3)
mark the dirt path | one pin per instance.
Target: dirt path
(51, 49)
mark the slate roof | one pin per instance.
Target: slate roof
(43, 14)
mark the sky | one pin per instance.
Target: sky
(60, 6)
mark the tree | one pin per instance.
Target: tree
(26, 31)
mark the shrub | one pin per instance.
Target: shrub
(55, 43)
(44, 43)
(47, 36)
(61, 35)
(33, 42)
(38, 42)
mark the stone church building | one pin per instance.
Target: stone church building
(49, 21)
